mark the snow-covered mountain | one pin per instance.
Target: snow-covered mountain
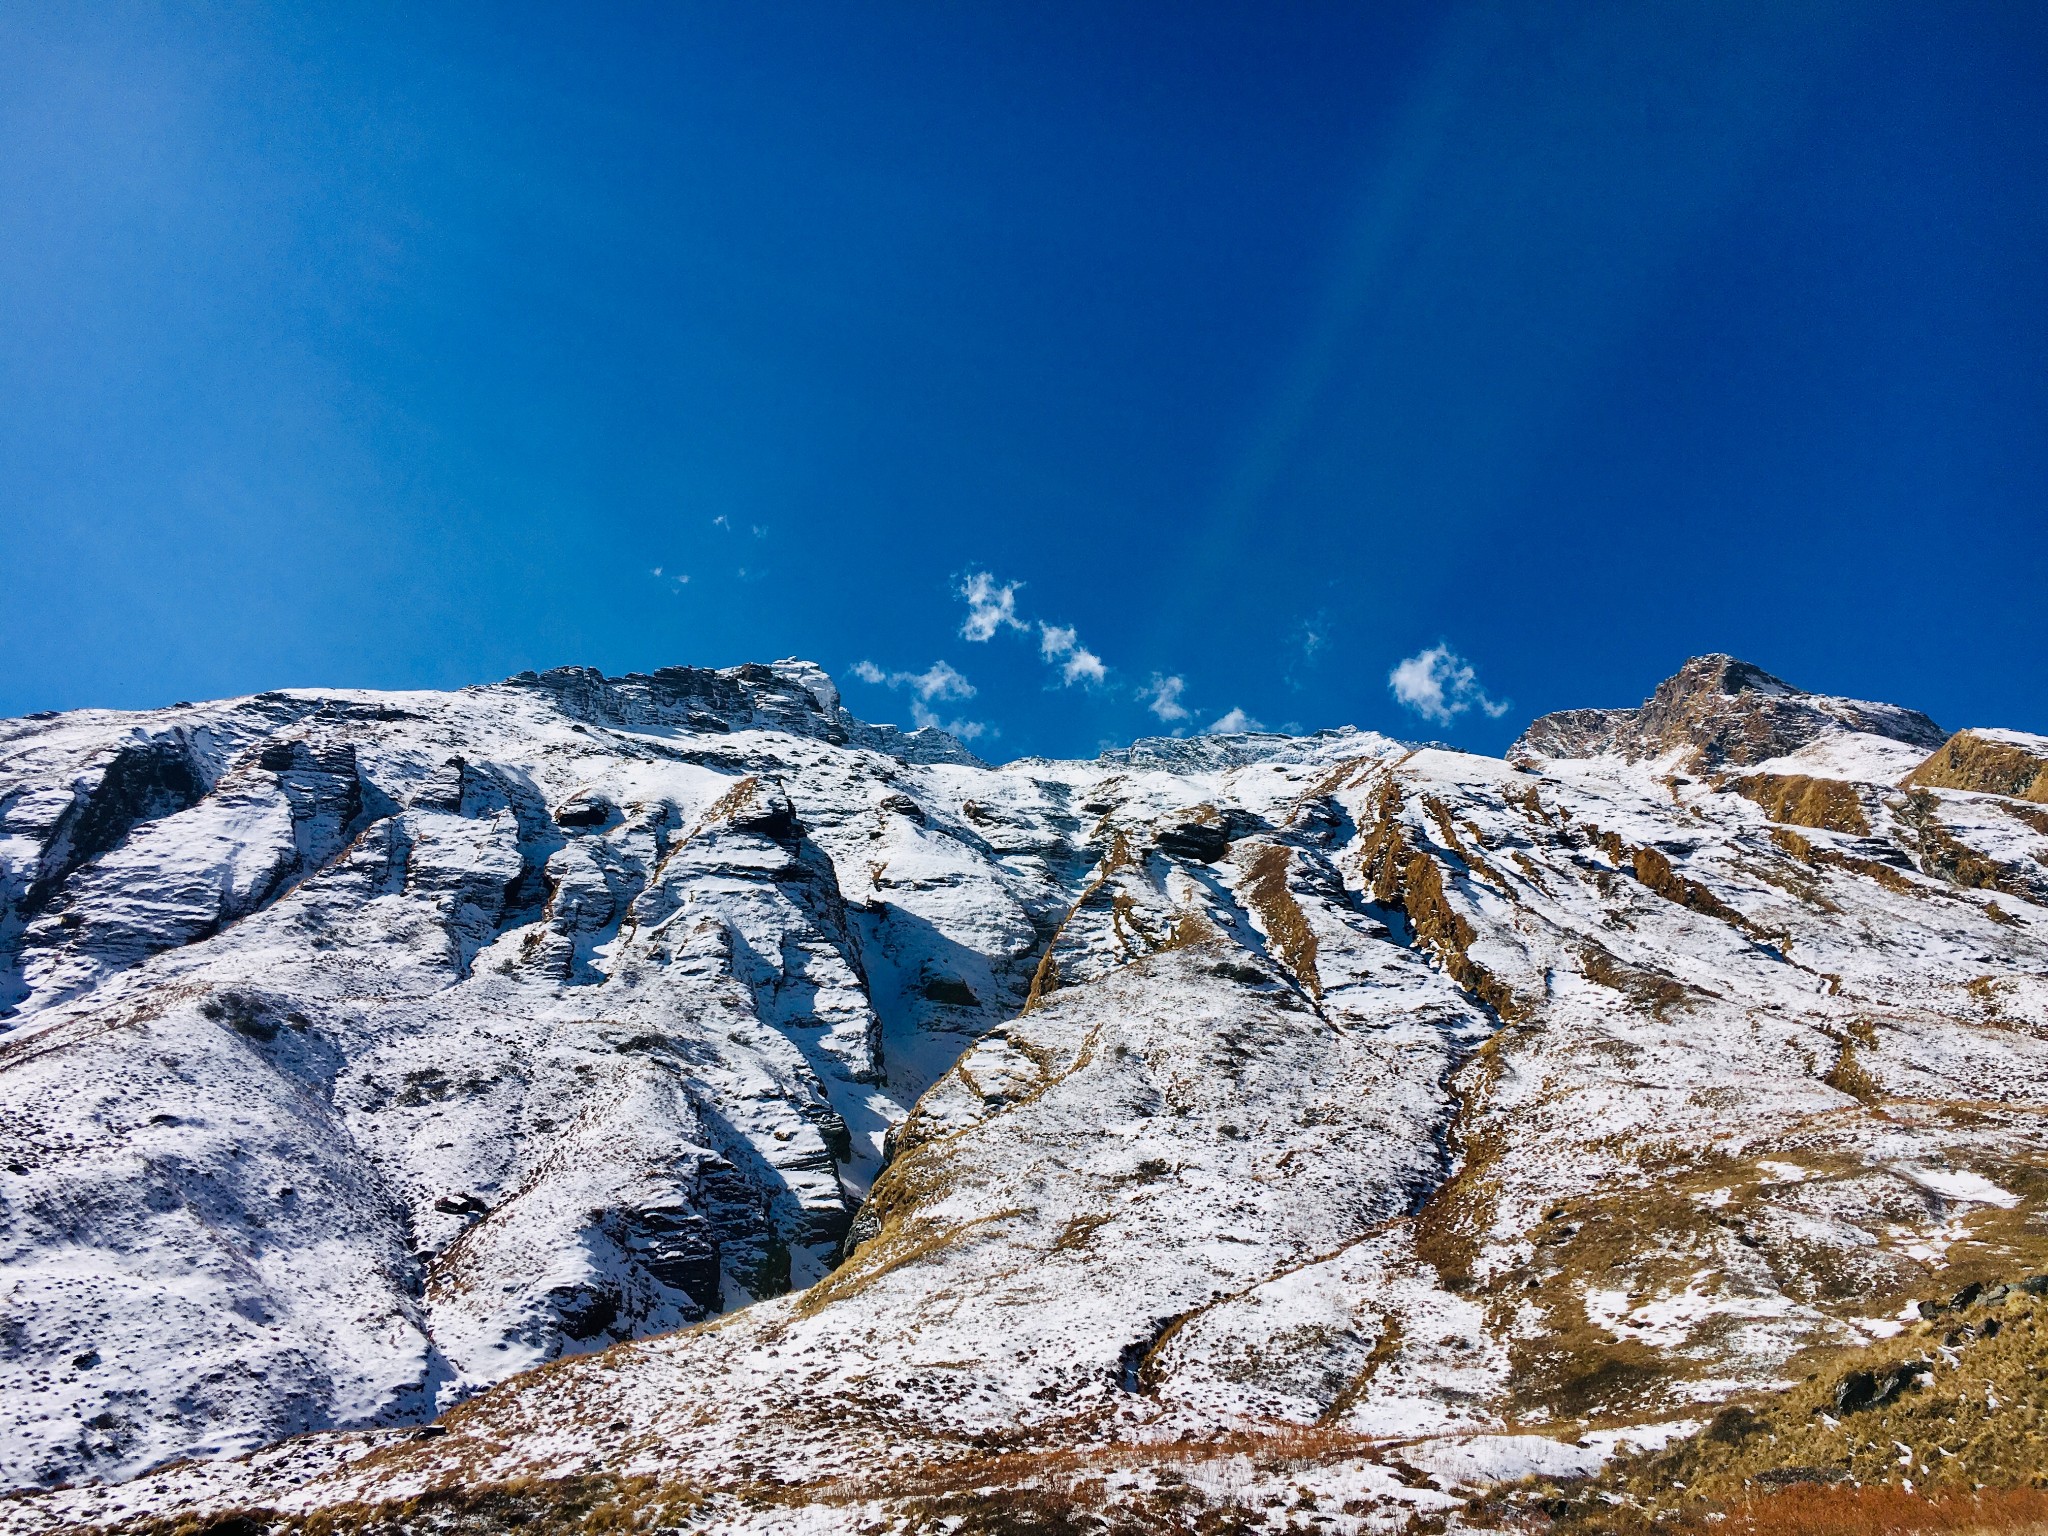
(1410, 1116)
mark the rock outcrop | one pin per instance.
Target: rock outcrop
(1715, 712)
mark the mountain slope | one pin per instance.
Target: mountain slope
(1469, 1116)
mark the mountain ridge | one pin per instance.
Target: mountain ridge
(1212, 1078)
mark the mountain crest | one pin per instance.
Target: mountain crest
(1718, 711)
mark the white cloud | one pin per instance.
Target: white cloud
(1439, 685)
(991, 605)
(722, 521)
(925, 718)
(940, 681)
(1076, 662)
(1237, 720)
(1310, 637)
(1162, 697)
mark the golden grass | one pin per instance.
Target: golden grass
(1809, 852)
(1968, 761)
(1830, 804)
(1951, 1407)
(1292, 938)
(1826, 1510)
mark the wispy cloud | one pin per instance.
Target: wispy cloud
(1077, 664)
(938, 683)
(1307, 640)
(1440, 685)
(677, 578)
(991, 605)
(1162, 696)
(1228, 725)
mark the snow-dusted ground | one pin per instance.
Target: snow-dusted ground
(369, 1049)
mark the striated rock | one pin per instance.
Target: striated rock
(1717, 711)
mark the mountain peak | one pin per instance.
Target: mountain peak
(1718, 710)
(1720, 673)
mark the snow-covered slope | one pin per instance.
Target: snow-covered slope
(1468, 1115)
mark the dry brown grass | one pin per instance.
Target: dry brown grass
(1952, 1407)
(1824, 1510)
(1968, 761)
(1809, 852)
(1292, 939)
(1830, 804)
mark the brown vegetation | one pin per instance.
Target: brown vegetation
(1969, 761)
(1292, 939)
(1831, 805)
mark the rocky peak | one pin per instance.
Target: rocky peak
(1719, 711)
(793, 696)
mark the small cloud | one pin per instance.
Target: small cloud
(940, 681)
(655, 572)
(926, 719)
(1308, 638)
(759, 531)
(1076, 662)
(1162, 697)
(721, 521)
(991, 605)
(1230, 724)
(682, 579)
(1439, 685)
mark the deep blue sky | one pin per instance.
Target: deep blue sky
(1265, 346)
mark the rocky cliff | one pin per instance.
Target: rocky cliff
(1215, 1131)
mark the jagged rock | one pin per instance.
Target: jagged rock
(1718, 711)
(1860, 1391)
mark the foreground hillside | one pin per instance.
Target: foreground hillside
(1217, 1134)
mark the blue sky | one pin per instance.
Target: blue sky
(1259, 348)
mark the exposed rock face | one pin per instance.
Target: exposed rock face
(1102, 1109)
(1718, 711)
(363, 1049)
